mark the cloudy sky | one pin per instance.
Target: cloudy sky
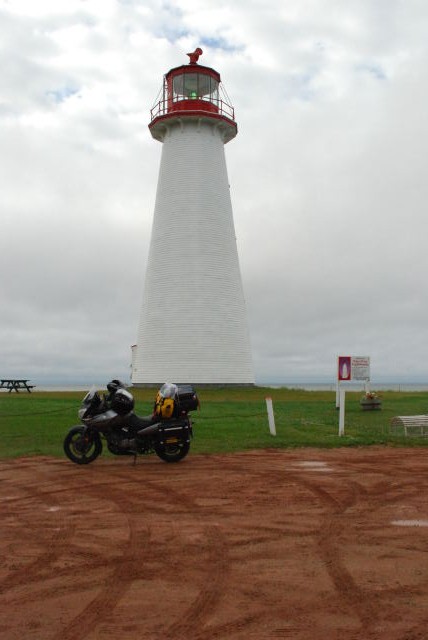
(328, 178)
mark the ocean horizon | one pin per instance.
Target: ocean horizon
(350, 386)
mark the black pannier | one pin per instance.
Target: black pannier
(186, 399)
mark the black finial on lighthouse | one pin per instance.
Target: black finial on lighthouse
(194, 57)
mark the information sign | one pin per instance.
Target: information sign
(349, 368)
(360, 368)
(353, 368)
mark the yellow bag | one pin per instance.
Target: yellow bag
(164, 407)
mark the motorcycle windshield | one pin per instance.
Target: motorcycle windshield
(168, 390)
(89, 397)
(90, 404)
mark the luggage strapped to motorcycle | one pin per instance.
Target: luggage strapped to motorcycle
(173, 431)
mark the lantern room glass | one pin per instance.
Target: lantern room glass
(195, 86)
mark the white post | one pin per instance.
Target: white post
(342, 412)
(270, 416)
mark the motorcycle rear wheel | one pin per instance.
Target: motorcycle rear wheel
(82, 447)
(172, 452)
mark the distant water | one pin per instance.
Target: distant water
(70, 387)
(352, 386)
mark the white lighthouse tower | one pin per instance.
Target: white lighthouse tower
(193, 326)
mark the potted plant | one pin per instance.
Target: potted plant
(370, 401)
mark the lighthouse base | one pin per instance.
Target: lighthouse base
(202, 385)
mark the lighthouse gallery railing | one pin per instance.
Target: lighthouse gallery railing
(170, 106)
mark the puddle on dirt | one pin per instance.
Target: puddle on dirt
(313, 465)
(410, 523)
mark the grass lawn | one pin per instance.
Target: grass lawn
(232, 419)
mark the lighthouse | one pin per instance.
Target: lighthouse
(193, 325)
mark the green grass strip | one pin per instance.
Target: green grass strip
(230, 419)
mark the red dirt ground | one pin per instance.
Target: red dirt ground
(303, 544)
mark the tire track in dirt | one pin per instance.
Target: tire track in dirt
(52, 549)
(408, 487)
(353, 597)
(224, 631)
(333, 500)
(193, 619)
(61, 541)
(368, 605)
(116, 584)
(211, 592)
(194, 626)
(36, 570)
(120, 580)
(192, 623)
(348, 592)
(173, 497)
(404, 486)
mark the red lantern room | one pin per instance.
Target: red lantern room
(192, 91)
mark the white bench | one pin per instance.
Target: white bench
(410, 425)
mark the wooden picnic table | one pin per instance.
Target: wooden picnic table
(13, 384)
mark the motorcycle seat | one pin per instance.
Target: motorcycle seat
(136, 423)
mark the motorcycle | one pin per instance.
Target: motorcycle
(167, 432)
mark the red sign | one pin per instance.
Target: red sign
(345, 369)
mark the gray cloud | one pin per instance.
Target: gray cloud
(327, 178)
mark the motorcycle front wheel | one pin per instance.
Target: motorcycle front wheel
(81, 446)
(173, 452)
